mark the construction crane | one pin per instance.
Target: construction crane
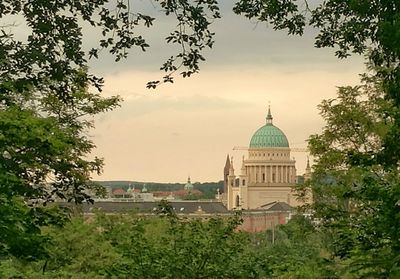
(291, 149)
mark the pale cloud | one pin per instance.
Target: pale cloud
(139, 105)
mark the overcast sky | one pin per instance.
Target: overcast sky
(189, 127)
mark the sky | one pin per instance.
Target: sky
(189, 127)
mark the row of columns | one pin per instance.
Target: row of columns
(271, 174)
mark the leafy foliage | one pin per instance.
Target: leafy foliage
(192, 35)
(46, 99)
(357, 197)
(43, 149)
(164, 246)
(350, 26)
(53, 52)
(20, 228)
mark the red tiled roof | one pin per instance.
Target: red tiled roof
(119, 191)
(161, 194)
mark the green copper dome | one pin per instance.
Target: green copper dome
(268, 136)
(188, 186)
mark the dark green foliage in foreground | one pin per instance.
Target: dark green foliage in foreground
(20, 228)
(49, 98)
(43, 156)
(163, 246)
(296, 252)
(357, 198)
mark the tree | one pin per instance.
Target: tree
(165, 246)
(128, 245)
(43, 144)
(179, 248)
(355, 197)
(47, 97)
(296, 252)
(50, 58)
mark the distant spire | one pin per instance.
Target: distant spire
(189, 179)
(227, 164)
(231, 170)
(269, 115)
(307, 174)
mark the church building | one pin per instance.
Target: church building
(266, 176)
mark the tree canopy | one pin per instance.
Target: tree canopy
(164, 246)
(48, 97)
(52, 56)
(356, 199)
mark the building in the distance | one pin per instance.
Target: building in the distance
(188, 186)
(266, 176)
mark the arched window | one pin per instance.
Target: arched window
(244, 182)
(263, 177)
(237, 201)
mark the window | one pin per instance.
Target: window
(244, 182)
(273, 177)
(237, 201)
(263, 177)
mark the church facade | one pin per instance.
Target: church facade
(266, 176)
